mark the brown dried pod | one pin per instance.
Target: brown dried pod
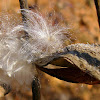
(77, 63)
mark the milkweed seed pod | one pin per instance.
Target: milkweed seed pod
(18, 53)
(45, 39)
(77, 63)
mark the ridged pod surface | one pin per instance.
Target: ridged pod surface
(78, 63)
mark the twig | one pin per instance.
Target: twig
(35, 89)
(23, 5)
(35, 83)
(97, 4)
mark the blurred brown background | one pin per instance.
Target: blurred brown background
(80, 16)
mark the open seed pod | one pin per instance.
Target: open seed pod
(77, 63)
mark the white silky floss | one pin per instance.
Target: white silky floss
(17, 53)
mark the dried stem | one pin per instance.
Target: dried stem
(23, 5)
(36, 89)
(97, 4)
(35, 83)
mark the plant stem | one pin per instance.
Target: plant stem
(36, 89)
(23, 5)
(97, 4)
(35, 83)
